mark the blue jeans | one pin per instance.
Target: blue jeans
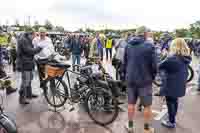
(100, 53)
(76, 58)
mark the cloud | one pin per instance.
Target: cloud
(157, 14)
(86, 11)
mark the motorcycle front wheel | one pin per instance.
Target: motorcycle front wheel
(102, 106)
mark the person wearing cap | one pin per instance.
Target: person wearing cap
(140, 67)
(166, 40)
(44, 42)
(25, 65)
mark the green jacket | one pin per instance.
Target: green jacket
(3, 41)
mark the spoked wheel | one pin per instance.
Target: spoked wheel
(190, 74)
(102, 106)
(56, 92)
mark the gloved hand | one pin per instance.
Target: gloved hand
(38, 49)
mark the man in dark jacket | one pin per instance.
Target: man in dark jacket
(25, 64)
(76, 49)
(140, 68)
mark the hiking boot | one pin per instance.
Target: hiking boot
(150, 130)
(198, 90)
(168, 124)
(10, 90)
(23, 101)
(130, 129)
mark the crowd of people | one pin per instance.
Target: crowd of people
(136, 60)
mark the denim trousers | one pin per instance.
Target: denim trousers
(100, 53)
(76, 58)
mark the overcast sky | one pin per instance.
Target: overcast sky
(73, 14)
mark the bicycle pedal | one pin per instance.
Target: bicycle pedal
(72, 109)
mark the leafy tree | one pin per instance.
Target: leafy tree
(181, 32)
(60, 28)
(48, 25)
(195, 29)
(90, 30)
(36, 25)
(80, 30)
(17, 23)
(28, 28)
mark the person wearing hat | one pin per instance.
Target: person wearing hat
(140, 68)
(44, 42)
(25, 65)
(166, 40)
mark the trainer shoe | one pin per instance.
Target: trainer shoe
(130, 130)
(168, 124)
(150, 130)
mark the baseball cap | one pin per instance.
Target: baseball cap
(42, 29)
(141, 30)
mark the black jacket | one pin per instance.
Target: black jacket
(25, 54)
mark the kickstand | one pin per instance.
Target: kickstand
(72, 107)
(121, 109)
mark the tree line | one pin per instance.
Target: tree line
(193, 31)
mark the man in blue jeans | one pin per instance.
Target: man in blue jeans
(76, 49)
(140, 68)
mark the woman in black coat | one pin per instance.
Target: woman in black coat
(175, 67)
